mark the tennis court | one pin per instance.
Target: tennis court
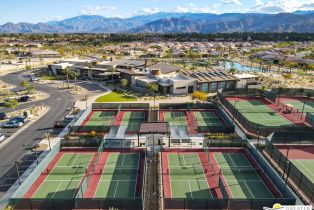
(132, 120)
(302, 157)
(100, 118)
(207, 118)
(119, 176)
(62, 181)
(257, 112)
(241, 177)
(187, 176)
(298, 104)
(175, 118)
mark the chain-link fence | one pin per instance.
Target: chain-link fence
(290, 170)
(253, 127)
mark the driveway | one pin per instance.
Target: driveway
(57, 102)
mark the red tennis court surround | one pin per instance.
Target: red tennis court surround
(295, 119)
(297, 152)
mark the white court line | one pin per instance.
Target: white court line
(183, 159)
(190, 189)
(221, 176)
(138, 166)
(47, 176)
(77, 155)
(123, 159)
(249, 189)
(57, 189)
(169, 175)
(233, 163)
(258, 174)
(101, 175)
(205, 176)
(115, 191)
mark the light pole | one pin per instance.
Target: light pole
(86, 101)
(17, 170)
(234, 106)
(303, 109)
(47, 135)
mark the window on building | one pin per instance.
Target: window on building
(204, 87)
(221, 85)
(213, 86)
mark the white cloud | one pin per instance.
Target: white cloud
(258, 2)
(98, 10)
(147, 11)
(237, 2)
(191, 8)
(277, 6)
(50, 18)
(307, 6)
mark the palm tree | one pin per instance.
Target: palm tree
(153, 88)
(68, 73)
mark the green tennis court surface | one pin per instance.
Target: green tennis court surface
(119, 176)
(207, 118)
(64, 179)
(101, 118)
(175, 118)
(133, 120)
(306, 166)
(259, 113)
(187, 177)
(241, 178)
(298, 104)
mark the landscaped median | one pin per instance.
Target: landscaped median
(115, 96)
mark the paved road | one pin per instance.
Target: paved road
(57, 103)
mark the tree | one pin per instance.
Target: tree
(152, 87)
(124, 83)
(200, 96)
(69, 74)
(233, 70)
(27, 86)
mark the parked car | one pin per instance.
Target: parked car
(2, 137)
(34, 79)
(3, 116)
(24, 99)
(19, 119)
(12, 124)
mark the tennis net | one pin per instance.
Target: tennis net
(118, 171)
(238, 170)
(183, 170)
(65, 170)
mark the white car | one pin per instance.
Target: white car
(12, 124)
(2, 137)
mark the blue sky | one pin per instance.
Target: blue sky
(34, 11)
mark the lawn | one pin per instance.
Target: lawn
(115, 97)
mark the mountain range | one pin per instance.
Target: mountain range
(299, 21)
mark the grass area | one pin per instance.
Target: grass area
(115, 97)
(49, 78)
